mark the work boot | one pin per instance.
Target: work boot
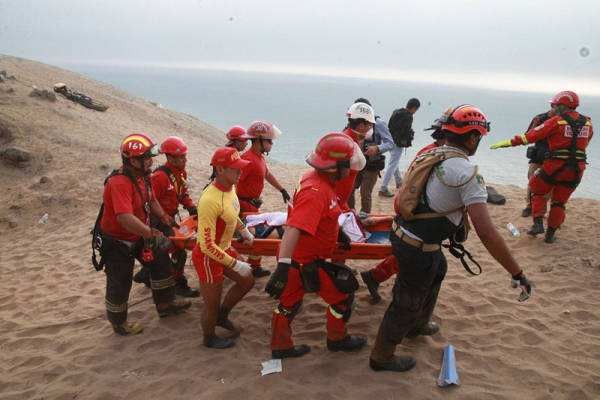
(383, 359)
(143, 276)
(182, 288)
(537, 227)
(215, 342)
(296, 351)
(173, 308)
(224, 322)
(372, 285)
(126, 329)
(550, 238)
(429, 329)
(259, 272)
(385, 193)
(526, 212)
(349, 343)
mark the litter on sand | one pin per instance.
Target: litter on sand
(448, 374)
(271, 366)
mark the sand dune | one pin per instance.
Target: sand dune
(56, 344)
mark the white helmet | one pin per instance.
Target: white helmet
(361, 110)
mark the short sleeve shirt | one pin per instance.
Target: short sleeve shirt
(252, 178)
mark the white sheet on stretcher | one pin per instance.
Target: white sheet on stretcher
(346, 220)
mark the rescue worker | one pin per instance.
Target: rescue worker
(213, 256)
(128, 202)
(416, 242)
(536, 155)
(169, 182)
(310, 237)
(252, 181)
(568, 134)
(237, 138)
(377, 142)
(389, 266)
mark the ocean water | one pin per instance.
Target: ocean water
(305, 107)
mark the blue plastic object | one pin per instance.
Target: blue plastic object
(448, 374)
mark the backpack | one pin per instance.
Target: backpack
(400, 127)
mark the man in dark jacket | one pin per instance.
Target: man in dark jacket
(400, 126)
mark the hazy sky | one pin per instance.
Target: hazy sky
(521, 42)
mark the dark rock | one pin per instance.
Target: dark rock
(44, 179)
(15, 156)
(104, 167)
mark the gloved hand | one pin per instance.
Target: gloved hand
(247, 237)
(168, 220)
(520, 281)
(242, 268)
(344, 241)
(285, 195)
(501, 144)
(278, 279)
(192, 210)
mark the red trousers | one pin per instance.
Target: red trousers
(289, 305)
(385, 269)
(560, 192)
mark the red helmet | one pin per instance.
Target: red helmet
(138, 145)
(332, 150)
(174, 146)
(262, 130)
(466, 118)
(228, 157)
(237, 132)
(567, 98)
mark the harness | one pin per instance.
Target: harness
(571, 156)
(97, 235)
(179, 189)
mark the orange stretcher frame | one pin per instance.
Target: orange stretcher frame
(185, 238)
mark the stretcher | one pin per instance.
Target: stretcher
(185, 238)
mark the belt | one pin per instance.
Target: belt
(424, 247)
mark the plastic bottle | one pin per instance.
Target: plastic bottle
(43, 219)
(513, 230)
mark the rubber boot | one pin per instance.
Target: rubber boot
(537, 227)
(215, 342)
(128, 329)
(296, 351)
(182, 288)
(173, 308)
(349, 343)
(429, 329)
(383, 358)
(526, 212)
(372, 285)
(550, 238)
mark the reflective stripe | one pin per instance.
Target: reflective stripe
(524, 139)
(335, 313)
(115, 308)
(162, 283)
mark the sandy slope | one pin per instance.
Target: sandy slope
(55, 342)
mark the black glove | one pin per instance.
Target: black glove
(520, 281)
(285, 195)
(278, 280)
(344, 241)
(192, 210)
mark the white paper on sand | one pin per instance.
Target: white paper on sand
(271, 366)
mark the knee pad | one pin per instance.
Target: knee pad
(557, 204)
(289, 312)
(344, 309)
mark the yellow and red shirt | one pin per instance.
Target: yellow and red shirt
(218, 218)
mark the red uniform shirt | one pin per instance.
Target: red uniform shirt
(315, 213)
(558, 133)
(121, 197)
(345, 187)
(171, 191)
(252, 178)
(427, 148)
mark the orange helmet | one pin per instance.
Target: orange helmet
(466, 118)
(333, 150)
(237, 132)
(173, 146)
(138, 145)
(262, 130)
(566, 98)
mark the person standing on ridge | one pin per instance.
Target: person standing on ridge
(252, 181)
(452, 192)
(536, 155)
(568, 134)
(213, 256)
(377, 142)
(310, 238)
(126, 235)
(400, 126)
(237, 138)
